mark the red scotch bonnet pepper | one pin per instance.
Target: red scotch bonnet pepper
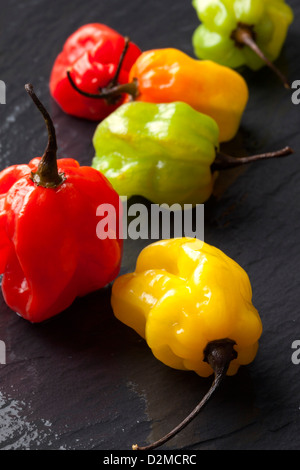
(49, 250)
(98, 58)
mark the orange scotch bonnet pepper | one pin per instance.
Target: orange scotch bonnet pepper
(169, 75)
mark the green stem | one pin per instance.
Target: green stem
(244, 35)
(218, 354)
(47, 174)
(225, 162)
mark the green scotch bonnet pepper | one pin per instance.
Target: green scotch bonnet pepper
(242, 32)
(166, 152)
(160, 151)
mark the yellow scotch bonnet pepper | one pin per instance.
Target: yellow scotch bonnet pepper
(193, 306)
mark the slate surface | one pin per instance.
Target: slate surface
(85, 381)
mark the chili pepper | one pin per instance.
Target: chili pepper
(242, 32)
(164, 152)
(50, 253)
(97, 57)
(169, 75)
(193, 306)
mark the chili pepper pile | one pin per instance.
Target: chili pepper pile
(86, 88)
(161, 119)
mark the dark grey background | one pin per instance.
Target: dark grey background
(85, 381)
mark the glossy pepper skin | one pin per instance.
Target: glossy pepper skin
(160, 151)
(169, 75)
(167, 153)
(91, 54)
(183, 295)
(268, 19)
(49, 251)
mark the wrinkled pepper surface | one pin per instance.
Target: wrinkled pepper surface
(49, 251)
(166, 153)
(168, 75)
(183, 295)
(160, 151)
(226, 24)
(92, 55)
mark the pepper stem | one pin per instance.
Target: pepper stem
(47, 174)
(225, 162)
(218, 354)
(113, 91)
(112, 95)
(114, 81)
(244, 35)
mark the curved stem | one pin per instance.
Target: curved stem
(225, 162)
(47, 174)
(244, 35)
(218, 354)
(108, 93)
(113, 91)
(114, 81)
